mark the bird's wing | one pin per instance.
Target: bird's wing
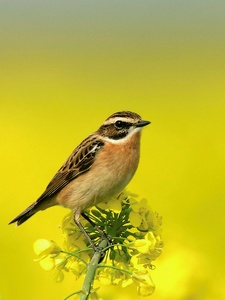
(79, 162)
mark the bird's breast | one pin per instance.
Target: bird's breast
(119, 161)
(113, 168)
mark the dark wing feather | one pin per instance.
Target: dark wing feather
(79, 162)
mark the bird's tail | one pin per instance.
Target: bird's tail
(26, 214)
(40, 204)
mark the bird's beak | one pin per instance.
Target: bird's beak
(142, 123)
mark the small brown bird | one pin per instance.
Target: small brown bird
(99, 168)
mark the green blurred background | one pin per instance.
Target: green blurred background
(64, 67)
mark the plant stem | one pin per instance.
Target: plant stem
(91, 269)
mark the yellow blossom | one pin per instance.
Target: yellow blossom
(113, 204)
(136, 240)
(104, 278)
(127, 282)
(142, 245)
(144, 282)
(44, 247)
(47, 263)
(135, 219)
(58, 275)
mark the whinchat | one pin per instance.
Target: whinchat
(99, 168)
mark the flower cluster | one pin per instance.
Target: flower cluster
(134, 231)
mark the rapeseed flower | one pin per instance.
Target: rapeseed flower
(135, 234)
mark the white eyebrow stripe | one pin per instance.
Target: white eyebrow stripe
(113, 120)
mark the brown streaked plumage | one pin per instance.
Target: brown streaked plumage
(99, 168)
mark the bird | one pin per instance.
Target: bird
(99, 168)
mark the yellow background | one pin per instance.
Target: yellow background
(64, 67)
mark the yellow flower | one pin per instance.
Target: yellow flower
(112, 204)
(146, 245)
(127, 282)
(43, 247)
(143, 245)
(135, 233)
(135, 219)
(143, 280)
(75, 267)
(47, 263)
(105, 278)
(140, 211)
(58, 275)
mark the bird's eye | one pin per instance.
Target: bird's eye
(119, 124)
